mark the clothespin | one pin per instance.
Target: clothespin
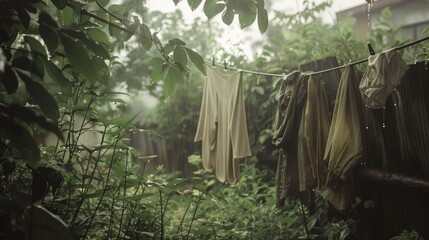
(371, 50)
(224, 64)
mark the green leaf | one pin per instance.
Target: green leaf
(98, 35)
(60, 4)
(24, 16)
(172, 77)
(103, 2)
(136, 197)
(196, 59)
(46, 20)
(118, 10)
(26, 64)
(262, 20)
(146, 39)
(67, 16)
(49, 36)
(179, 56)
(244, 6)
(212, 8)
(9, 80)
(109, 99)
(103, 71)
(41, 97)
(46, 225)
(168, 48)
(57, 75)
(125, 36)
(78, 57)
(96, 48)
(156, 73)
(156, 61)
(176, 41)
(149, 234)
(176, 2)
(29, 116)
(246, 19)
(21, 140)
(96, 193)
(425, 32)
(38, 61)
(123, 123)
(35, 45)
(193, 4)
(228, 16)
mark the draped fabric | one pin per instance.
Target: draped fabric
(316, 128)
(222, 126)
(381, 77)
(294, 170)
(344, 148)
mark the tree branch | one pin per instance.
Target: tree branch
(391, 178)
(84, 12)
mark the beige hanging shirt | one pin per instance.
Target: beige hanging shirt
(383, 74)
(222, 126)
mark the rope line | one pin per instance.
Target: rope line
(322, 71)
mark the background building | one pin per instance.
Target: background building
(412, 16)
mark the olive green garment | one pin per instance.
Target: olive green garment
(293, 169)
(344, 146)
(280, 121)
(306, 178)
(222, 126)
(316, 128)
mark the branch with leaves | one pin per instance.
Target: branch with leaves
(247, 10)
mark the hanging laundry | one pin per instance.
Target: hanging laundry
(293, 168)
(316, 128)
(222, 125)
(344, 145)
(382, 75)
(284, 171)
(330, 80)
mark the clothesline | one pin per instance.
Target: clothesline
(245, 70)
(322, 71)
(366, 59)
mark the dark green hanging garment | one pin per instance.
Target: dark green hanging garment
(316, 129)
(344, 148)
(293, 168)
